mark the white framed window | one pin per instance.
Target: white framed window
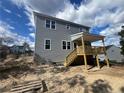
(50, 24)
(68, 45)
(47, 44)
(47, 23)
(53, 24)
(64, 45)
(68, 26)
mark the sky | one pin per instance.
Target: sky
(105, 17)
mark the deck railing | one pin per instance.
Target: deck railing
(90, 50)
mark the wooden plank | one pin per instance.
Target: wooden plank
(25, 87)
(28, 83)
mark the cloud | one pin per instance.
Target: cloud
(98, 13)
(6, 33)
(40, 6)
(19, 15)
(7, 10)
(92, 13)
(32, 35)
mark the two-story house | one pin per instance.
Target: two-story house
(58, 40)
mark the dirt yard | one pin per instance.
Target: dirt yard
(66, 80)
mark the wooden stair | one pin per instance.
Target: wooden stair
(70, 58)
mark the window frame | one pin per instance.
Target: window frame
(50, 24)
(65, 45)
(45, 44)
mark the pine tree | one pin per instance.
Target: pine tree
(122, 40)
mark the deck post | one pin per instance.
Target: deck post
(97, 59)
(84, 55)
(106, 57)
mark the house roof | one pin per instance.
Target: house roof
(58, 19)
(86, 37)
(109, 46)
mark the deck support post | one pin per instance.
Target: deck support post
(97, 60)
(84, 55)
(106, 57)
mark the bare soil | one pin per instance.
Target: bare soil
(61, 79)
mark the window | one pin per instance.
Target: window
(47, 44)
(50, 24)
(81, 29)
(75, 45)
(53, 23)
(68, 45)
(63, 44)
(68, 26)
(47, 23)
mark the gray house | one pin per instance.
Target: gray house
(114, 54)
(53, 42)
(59, 40)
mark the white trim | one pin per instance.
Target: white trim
(45, 43)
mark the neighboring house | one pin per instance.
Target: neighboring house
(114, 54)
(16, 49)
(57, 39)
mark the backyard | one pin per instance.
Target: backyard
(60, 79)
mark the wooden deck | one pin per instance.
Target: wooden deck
(89, 50)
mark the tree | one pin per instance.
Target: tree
(122, 40)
